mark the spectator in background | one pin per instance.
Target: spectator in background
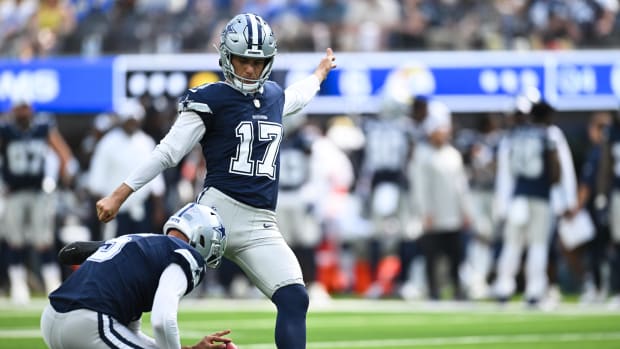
(328, 22)
(128, 29)
(367, 24)
(113, 159)
(202, 18)
(453, 25)
(594, 21)
(262, 8)
(410, 32)
(54, 20)
(551, 25)
(442, 196)
(504, 25)
(92, 17)
(15, 22)
(293, 21)
(29, 215)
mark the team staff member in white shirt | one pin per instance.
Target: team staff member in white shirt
(442, 197)
(114, 158)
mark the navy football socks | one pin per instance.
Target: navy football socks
(292, 303)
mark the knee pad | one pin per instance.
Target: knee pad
(291, 297)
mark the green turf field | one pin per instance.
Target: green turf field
(350, 324)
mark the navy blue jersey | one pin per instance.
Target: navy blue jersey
(121, 278)
(387, 150)
(614, 143)
(24, 153)
(242, 140)
(295, 158)
(479, 149)
(529, 149)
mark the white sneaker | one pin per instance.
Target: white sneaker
(239, 288)
(318, 294)
(409, 292)
(20, 293)
(554, 294)
(589, 295)
(375, 291)
(614, 303)
(479, 290)
(601, 296)
(51, 277)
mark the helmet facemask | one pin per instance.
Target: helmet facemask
(212, 249)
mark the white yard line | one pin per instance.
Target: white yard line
(442, 341)
(432, 341)
(350, 305)
(20, 333)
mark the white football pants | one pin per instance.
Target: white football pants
(532, 232)
(255, 243)
(82, 328)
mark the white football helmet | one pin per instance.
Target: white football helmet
(204, 229)
(247, 35)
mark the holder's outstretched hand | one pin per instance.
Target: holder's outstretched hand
(213, 341)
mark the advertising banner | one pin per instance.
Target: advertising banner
(371, 82)
(466, 81)
(59, 85)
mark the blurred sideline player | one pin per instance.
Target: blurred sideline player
(614, 153)
(25, 141)
(586, 259)
(301, 186)
(238, 123)
(481, 152)
(101, 304)
(528, 167)
(337, 209)
(418, 115)
(383, 181)
(412, 278)
(563, 199)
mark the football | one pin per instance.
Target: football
(231, 345)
